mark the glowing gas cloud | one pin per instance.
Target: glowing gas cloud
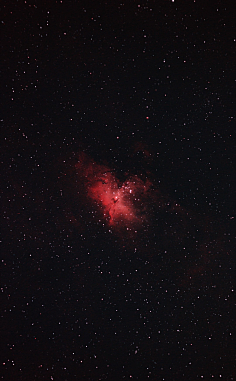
(122, 205)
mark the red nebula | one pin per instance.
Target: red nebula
(121, 204)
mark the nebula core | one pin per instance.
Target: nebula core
(123, 205)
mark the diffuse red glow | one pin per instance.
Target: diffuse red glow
(121, 204)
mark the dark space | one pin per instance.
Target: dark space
(118, 190)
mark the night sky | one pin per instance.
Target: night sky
(118, 190)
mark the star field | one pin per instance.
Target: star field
(118, 187)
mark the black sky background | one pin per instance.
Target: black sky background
(146, 89)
